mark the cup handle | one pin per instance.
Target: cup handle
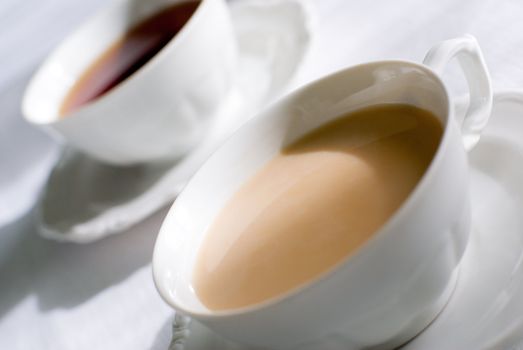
(470, 58)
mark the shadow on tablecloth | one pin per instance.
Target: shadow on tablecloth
(63, 275)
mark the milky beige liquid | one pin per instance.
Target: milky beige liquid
(314, 204)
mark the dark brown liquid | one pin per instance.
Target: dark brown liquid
(128, 54)
(314, 204)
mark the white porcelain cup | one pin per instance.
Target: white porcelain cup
(162, 110)
(401, 278)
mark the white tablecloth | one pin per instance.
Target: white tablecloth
(101, 296)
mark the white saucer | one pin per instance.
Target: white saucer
(85, 200)
(486, 309)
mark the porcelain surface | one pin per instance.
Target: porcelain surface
(85, 200)
(171, 99)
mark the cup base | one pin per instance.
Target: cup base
(201, 337)
(424, 319)
(416, 326)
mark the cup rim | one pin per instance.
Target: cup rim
(208, 314)
(37, 82)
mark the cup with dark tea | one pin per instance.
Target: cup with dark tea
(339, 213)
(139, 82)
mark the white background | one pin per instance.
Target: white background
(101, 296)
